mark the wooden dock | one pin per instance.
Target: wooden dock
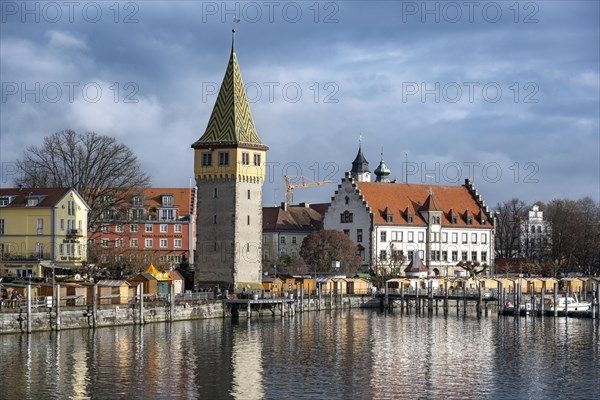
(279, 306)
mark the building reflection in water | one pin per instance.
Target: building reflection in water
(246, 361)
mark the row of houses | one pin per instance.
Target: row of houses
(155, 284)
(44, 232)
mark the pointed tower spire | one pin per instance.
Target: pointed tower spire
(360, 166)
(382, 172)
(231, 122)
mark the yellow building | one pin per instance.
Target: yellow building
(42, 231)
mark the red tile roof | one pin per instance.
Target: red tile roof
(401, 198)
(182, 197)
(295, 218)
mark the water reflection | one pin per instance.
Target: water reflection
(334, 355)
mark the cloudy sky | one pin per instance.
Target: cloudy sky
(504, 93)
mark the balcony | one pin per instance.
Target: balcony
(73, 233)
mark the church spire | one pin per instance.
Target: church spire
(360, 166)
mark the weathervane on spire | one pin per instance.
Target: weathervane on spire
(235, 21)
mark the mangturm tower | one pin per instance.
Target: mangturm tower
(229, 167)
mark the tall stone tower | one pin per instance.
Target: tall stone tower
(229, 166)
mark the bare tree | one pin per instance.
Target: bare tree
(575, 235)
(102, 170)
(473, 268)
(322, 247)
(510, 215)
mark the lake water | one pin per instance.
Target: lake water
(356, 354)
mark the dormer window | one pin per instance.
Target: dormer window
(138, 200)
(4, 201)
(435, 220)
(482, 220)
(389, 218)
(453, 220)
(167, 200)
(409, 219)
(32, 201)
(469, 221)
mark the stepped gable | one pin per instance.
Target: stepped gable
(231, 123)
(411, 198)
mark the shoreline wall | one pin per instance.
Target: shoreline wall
(80, 317)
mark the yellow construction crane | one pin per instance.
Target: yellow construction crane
(289, 186)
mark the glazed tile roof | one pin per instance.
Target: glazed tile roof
(402, 198)
(231, 121)
(296, 218)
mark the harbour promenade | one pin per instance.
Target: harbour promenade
(44, 314)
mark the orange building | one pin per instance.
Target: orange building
(155, 225)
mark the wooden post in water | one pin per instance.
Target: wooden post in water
(499, 300)
(29, 308)
(517, 299)
(503, 299)
(172, 303)
(141, 294)
(249, 309)
(464, 299)
(543, 294)
(445, 296)
(386, 303)
(593, 299)
(566, 304)
(58, 307)
(401, 297)
(320, 289)
(533, 305)
(417, 300)
(479, 298)
(429, 295)
(555, 294)
(95, 305)
(302, 299)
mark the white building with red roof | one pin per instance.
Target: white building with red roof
(391, 221)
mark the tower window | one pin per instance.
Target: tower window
(245, 158)
(248, 220)
(248, 194)
(347, 200)
(215, 219)
(223, 158)
(206, 159)
(256, 159)
(215, 193)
